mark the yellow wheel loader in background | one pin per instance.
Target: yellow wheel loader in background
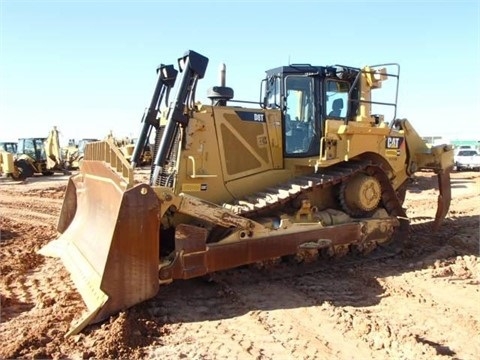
(306, 168)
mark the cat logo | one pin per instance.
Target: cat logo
(394, 142)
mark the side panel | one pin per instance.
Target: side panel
(200, 172)
(275, 137)
(243, 141)
(381, 144)
(228, 146)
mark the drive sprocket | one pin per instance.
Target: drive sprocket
(360, 195)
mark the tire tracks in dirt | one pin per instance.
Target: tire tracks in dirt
(28, 209)
(281, 321)
(294, 322)
(35, 308)
(425, 293)
(231, 327)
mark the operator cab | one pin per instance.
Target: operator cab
(33, 147)
(307, 95)
(10, 147)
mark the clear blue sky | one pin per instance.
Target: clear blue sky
(88, 67)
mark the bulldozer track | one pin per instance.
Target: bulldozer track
(384, 252)
(278, 271)
(274, 197)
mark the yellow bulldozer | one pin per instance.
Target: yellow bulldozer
(307, 167)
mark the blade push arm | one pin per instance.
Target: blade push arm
(166, 79)
(192, 68)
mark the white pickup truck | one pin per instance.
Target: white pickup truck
(467, 159)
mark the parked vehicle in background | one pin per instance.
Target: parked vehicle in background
(126, 146)
(464, 147)
(10, 147)
(467, 159)
(7, 154)
(38, 155)
(73, 153)
(146, 155)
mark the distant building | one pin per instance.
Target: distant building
(457, 143)
(435, 140)
(471, 143)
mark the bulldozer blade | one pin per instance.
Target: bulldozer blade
(109, 241)
(444, 197)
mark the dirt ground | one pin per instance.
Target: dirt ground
(421, 303)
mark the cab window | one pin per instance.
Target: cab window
(336, 99)
(273, 93)
(40, 149)
(28, 148)
(299, 119)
